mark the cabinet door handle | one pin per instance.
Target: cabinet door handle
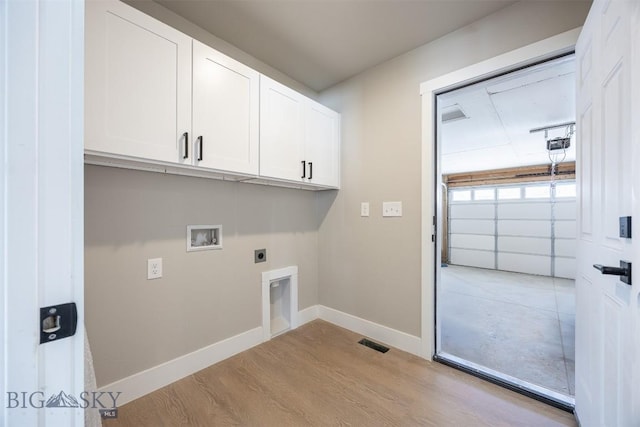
(304, 169)
(186, 145)
(310, 170)
(200, 156)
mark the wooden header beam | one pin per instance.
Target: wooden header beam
(539, 173)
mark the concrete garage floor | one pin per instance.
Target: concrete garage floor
(518, 324)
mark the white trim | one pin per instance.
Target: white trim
(147, 381)
(544, 49)
(384, 334)
(268, 277)
(152, 379)
(308, 314)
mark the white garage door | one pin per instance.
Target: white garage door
(526, 228)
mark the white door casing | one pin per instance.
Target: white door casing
(527, 55)
(41, 201)
(608, 187)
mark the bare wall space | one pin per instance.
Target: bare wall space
(203, 297)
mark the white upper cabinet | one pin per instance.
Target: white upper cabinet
(281, 131)
(322, 145)
(155, 99)
(299, 138)
(225, 112)
(137, 85)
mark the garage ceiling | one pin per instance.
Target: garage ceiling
(322, 42)
(500, 114)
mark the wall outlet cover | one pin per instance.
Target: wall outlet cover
(154, 268)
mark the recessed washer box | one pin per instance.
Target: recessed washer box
(204, 237)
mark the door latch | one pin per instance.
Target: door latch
(624, 271)
(58, 321)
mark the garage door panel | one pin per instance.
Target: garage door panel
(472, 211)
(565, 210)
(472, 241)
(565, 267)
(565, 229)
(524, 211)
(527, 228)
(472, 226)
(566, 247)
(472, 258)
(529, 245)
(521, 263)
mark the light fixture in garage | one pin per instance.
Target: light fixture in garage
(453, 113)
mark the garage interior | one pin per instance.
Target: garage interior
(506, 291)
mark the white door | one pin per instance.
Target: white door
(226, 102)
(281, 132)
(608, 147)
(137, 83)
(322, 145)
(41, 208)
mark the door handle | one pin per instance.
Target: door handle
(200, 155)
(304, 170)
(624, 271)
(186, 145)
(310, 170)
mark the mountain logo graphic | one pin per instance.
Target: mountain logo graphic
(62, 400)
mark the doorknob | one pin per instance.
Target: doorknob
(624, 271)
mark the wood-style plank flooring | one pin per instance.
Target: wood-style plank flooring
(318, 375)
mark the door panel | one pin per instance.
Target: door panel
(322, 144)
(605, 344)
(281, 131)
(225, 111)
(137, 84)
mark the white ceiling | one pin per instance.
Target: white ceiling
(322, 42)
(502, 111)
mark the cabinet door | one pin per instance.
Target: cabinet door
(137, 84)
(281, 131)
(322, 145)
(225, 112)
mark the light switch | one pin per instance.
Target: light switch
(392, 209)
(364, 209)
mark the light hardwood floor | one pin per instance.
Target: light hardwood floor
(319, 375)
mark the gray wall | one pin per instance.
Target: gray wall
(203, 297)
(370, 267)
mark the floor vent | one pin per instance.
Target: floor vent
(373, 345)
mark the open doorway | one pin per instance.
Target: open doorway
(505, 298)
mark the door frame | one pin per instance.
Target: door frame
(41, 208)
(541, 51)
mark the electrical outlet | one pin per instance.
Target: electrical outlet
(392, 209)
(364, 209)
(154, 268)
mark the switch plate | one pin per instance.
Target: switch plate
(154, 268)
(392, 209)
(364, 209)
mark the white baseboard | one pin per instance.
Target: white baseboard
(308, 314)
(152, 379)
(400, 340)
